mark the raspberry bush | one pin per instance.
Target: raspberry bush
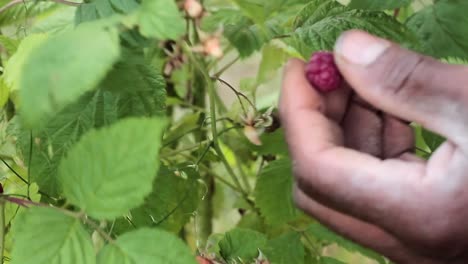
(146, 131)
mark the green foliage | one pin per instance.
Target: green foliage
(23, 11)
(273, 193)
(65, 76)
(442, 29)
(241, 30)
(432, 140)
(122, 148)
(52, 142)
(378, 4)
(160, 19)
(139, 87)
(66, 239)
(146, 246)
(241, 244)
(320, 23)
(324, 235)
(174, 199)
(286, 249)
(121, 162)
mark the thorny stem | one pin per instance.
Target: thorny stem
(214, 129)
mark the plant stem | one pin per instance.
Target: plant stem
(178, 151)
(226, 67)
(214, 129)
(244, 177)
(238, 94)
(216, 176)
(205, 209)
(98, 229)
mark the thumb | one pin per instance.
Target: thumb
(406, 84)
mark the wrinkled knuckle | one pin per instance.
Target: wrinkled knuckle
(402, 74)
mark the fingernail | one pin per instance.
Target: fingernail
(360, 48)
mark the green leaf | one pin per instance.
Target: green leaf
(146, 246)
(104, 8)
(110, 170)
(46, 236)
(9, 45)
(124, 6)
(273, 58)
(285, 249)
(442, 28)
(139, 87)
(184, 126)
(433, 140)
(252, 221)
(320, 23)
(378, 4)
(25, 10)
(86, 55)
(51, 143)
(220, 18)
(86, 12)
(4, 92)
(242, 244)
(272, 144)
(174, 199)
(14, 65)
(256, 10)
(58, 21)
(246, 36)
(323, 234)
(160, 19)
(273, 193)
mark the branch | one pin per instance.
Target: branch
(226, 67)
(10, 5)
(238, 94)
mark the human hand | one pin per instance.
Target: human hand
(352, 150)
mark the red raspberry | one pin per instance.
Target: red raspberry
(322, 73)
